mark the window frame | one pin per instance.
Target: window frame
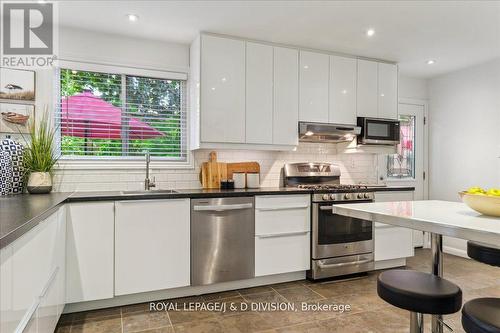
(129, 162)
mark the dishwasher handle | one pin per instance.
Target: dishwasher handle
(221, 208)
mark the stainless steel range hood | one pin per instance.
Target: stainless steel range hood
(320, 132)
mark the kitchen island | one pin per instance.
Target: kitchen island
(440, 218)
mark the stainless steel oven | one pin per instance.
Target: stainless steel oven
(340, 244)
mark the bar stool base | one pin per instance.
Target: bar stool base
(416, 322)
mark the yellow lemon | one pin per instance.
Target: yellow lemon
(476, 190)
(494, 192)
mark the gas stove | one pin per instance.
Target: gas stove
(324, 180)
(340, 245)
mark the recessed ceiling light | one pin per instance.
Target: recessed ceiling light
(430, 62)
(370, 32)
(132, 17)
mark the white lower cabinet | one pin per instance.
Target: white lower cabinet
(152, 245)
(7, 315)
(282, 234)
(89, 251)
(30, 290)
(392, 242)
(282, 253)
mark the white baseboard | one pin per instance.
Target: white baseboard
(183, 292)
(390, 263)
(455, 251)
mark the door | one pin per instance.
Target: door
(259, 93)
(222, 90)
(222, 240)
(286, 96)
(151, 245)
(407, 166)
(342, 108)
(314, 76)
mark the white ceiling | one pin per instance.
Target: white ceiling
(455, 34)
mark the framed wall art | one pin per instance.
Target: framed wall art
(15, 118)
(17, 84)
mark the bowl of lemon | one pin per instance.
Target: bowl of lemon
(486, 202)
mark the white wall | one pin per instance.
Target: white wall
(91, 46)
(414, 88)
(464, 114)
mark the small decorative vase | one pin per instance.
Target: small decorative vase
(39, 182)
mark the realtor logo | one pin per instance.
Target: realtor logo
(29, 34)
(28, 28)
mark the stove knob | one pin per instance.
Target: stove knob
(325, 197)
(332, 196)
(367, 196)
(360, 195)
(347, 196)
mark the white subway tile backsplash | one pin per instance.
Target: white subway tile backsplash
(355, 168)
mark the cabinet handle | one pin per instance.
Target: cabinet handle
(221, 208)
(263, 209)
(284, 234)
(321, 265)
(27, 316)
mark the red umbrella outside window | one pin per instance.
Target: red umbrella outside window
(88, 116)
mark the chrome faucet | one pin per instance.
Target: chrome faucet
(148, 183)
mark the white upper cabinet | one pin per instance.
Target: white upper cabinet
(222, 106)
(343, 75)
(387, 91)
(259, 93)
(286, 95)
(377, 90)
(314, 77)
(367, 94)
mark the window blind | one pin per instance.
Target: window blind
(112, 116)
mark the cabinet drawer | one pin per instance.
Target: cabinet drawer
(392, 243)
(282, 253)
(282, 214)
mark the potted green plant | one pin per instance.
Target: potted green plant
(39, 156)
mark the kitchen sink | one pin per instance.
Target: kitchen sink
(145, 192)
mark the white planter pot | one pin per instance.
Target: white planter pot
(39, 182)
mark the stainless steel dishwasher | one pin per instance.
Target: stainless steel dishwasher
(222, 240)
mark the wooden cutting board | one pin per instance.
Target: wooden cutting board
(212, 172)
(245, 167)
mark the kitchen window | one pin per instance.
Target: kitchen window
(113, 116)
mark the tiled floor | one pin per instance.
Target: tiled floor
(368, 314)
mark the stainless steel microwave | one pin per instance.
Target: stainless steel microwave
(376, 131)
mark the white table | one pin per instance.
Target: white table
(439, 218)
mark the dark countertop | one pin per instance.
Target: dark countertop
(20, 213)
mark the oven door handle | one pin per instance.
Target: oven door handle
(321, 265)
(326, 207)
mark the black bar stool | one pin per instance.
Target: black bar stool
(482, 315)
(418, 292)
